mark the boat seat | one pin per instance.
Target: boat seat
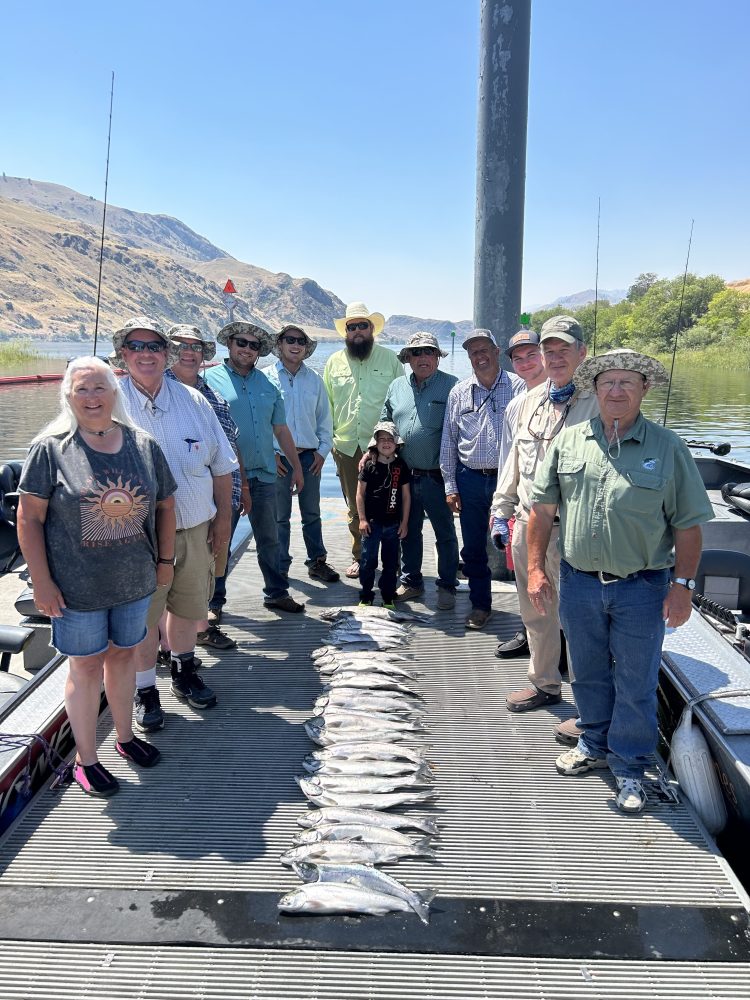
(724, 577)
(10, 474)
(13, 640)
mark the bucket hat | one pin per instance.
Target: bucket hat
(143, 323)
(566, 328)
(623, 358)
(524, 338)
(240, 329)
(420, 339)
(389, 427)
(478, 334)
(185, 330)
(310, 344)
(358, 310)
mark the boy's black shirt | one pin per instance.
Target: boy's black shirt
(383, 500)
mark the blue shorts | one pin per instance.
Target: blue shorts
(87, 633)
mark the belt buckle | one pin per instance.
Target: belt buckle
(606, 583)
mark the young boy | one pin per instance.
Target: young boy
(383, 500)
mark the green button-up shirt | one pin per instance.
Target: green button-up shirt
(618, 514)
(418, 411)
(357, 391)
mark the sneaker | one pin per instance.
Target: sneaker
(527, 699)
(148, 714)
(215, 638)
(631, 797)
(214, 616)
(365, 604)
(95, 780)
(389, 605)
(446, 599)
(406, 593)
(567, 732)
(188, 686)
(320, 570)
(517, 646)
(575, 762)
(477, 618)
(285, 604)
(139, 752)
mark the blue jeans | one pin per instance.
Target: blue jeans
(263, 521)
(309, 508)
(219, 598)
(615, 633)
(476, 490)
(88, 633)
(428, 497)
(385, 538)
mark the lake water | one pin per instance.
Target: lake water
(709, 405)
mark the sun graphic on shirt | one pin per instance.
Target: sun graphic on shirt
(113, 511)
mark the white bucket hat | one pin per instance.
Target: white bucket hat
(389, 428)
(310, 344)
(358, 310)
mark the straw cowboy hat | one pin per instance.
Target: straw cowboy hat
(310, 344)
(358, 310)
(420, 339)
(388, 427)
(622, 359)
(193, 333)
(240, 329)
(143, 323)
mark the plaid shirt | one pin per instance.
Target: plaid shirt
(230, 428)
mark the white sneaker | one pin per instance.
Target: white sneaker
(631, 797)
(575, 762)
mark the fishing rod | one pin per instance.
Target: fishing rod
(596, 280)
(679, 320)
(104, 213)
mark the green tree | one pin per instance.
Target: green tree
(641, 285)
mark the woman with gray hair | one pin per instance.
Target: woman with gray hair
(96, 526)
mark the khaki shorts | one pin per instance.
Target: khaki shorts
(193, 583)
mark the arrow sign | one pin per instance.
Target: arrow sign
(229, 288)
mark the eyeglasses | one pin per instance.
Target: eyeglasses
(254, 345)
(352, 327)
(536, 415)
(137, 346)
(417, 352)
(195, 348)
(626, 384)
(289, 339)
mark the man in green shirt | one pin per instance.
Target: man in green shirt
(356, 380)
(631, 502)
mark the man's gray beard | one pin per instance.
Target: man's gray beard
(360, 349)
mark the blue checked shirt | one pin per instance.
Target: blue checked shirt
(473, 429)
(221, 408)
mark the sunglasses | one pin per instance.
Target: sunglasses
(195, 348)
(137, 346)
(254, 345)
(352, 327)
(417, 352)
(289, 339)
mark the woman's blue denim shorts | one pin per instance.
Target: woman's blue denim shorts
(87, 633)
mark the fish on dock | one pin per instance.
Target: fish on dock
(339, 898)
(369, 878)
(354, 851)
(366, 800)
(389, 614)
(370, 817)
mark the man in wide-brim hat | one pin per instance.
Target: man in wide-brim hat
(257, 407)
(308, 416)
(356, 380)
(416, 404)
(631, 502)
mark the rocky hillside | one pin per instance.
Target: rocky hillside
(400, 328)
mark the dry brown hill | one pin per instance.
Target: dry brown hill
(740, 286)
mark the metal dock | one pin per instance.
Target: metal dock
(169, 889)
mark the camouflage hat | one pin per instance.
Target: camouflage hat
(142, 323)
(478, 334)
(524, 338)
(184, 330)
(420, 339)
(621, 359)
(389, 428)
(240, 329)
(310, 344)
(565, 328)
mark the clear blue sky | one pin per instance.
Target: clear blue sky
(337, 139)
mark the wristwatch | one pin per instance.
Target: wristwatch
(167, 562)
(690, 584)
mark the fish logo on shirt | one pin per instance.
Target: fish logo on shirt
(649, 464)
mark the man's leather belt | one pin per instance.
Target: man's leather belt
(427, 472)
(607, 577)
(484, 472)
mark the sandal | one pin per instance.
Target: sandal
(353, 572)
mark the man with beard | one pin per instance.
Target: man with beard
(545, 411)
(257, 408)
(356, 380)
